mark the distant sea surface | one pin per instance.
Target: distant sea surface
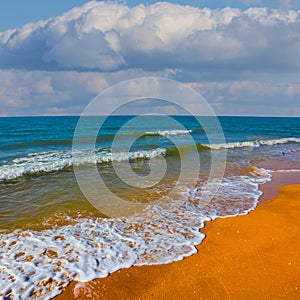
(49, 230)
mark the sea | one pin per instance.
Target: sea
(53, 232)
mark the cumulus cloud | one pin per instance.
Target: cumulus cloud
(250, 97)
(24, 92)
(68, 92)
(242, 61)
(47, 93)
(101, 36)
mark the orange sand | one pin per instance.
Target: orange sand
(245, 257)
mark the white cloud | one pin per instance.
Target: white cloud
(247, 97)
(59, 92)
(39, 92)
(68, 92)
(110, 37)
(241, 61)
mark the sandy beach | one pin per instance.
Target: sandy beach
(250, 256)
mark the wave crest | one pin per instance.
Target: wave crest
(168, 132)
(254, 143)
(47, 162)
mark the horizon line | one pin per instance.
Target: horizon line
(171, 115)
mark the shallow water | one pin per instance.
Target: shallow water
(50, 230)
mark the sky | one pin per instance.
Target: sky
(241, 55)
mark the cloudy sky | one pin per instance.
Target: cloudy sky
(242, 55)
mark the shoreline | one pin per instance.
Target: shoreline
(253, 255)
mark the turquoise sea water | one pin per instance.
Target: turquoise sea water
(42, 208)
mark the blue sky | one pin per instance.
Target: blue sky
(15, 13)
(240, 55)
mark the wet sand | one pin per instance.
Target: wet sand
(250, 256)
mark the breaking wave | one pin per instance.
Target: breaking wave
(46, 162)
(168, 132)
(254, 143)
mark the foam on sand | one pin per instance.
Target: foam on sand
(39, 263)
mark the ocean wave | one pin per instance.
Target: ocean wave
(38, 264)
(168, 132)
(254, 143)
(233, 145)
(46, 162)
(144, 134)
(86, 139)
(286, 171)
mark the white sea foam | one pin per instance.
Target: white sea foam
(41, 263)
(59, 160)
(286, 171)
(169, 132)
(255, 143)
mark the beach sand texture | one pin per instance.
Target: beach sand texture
(244, 257)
